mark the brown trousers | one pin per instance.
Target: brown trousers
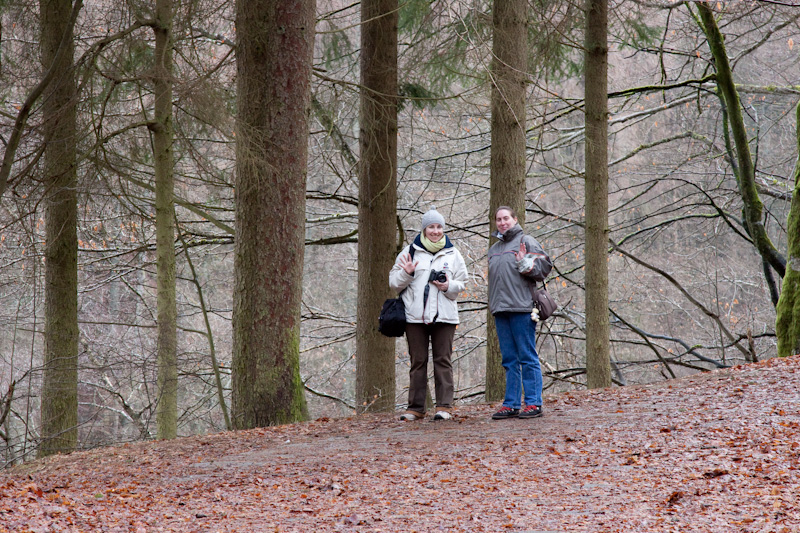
(440, 336)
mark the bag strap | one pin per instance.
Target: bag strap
(532, 286)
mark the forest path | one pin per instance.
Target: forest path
(717, 452)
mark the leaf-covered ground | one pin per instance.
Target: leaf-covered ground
(717, 452)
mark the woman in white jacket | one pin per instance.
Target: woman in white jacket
(430, 280)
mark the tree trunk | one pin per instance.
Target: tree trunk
(377, 202)
(598, 363)
(507, 174)
(743, 161)
(274, 51)
(167, 407)
(59, 429)
(787, 326)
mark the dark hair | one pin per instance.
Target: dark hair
(502, 207)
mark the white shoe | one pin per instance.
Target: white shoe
(442, 415)
(408, 416)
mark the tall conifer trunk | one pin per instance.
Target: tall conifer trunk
(167, 409)
(598, 363)
(377, 202)
(274, 51)
(59, 426)
(507, 174)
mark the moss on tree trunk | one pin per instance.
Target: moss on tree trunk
(787, 326)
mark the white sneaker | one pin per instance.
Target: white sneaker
(442, 415)
(408, 416)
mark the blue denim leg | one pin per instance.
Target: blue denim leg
(516, 333)
(508, 350)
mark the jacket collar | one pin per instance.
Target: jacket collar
(508, 235)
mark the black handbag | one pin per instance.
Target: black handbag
(392, 320)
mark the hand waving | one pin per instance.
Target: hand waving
(525, 263)
(407, 265)
(522, 251)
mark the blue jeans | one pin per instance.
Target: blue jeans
(516, 333)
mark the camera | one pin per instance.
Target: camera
(438, 275)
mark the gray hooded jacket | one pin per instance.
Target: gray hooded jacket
(510, 291)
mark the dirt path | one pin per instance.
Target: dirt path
(717, 452)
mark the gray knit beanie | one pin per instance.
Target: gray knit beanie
(432, 217)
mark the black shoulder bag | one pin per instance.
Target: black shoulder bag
(392, 320)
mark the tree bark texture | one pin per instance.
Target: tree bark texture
(167, 407)
(787, 326)
(598, 364)
(743, 164)
(507, 173)
(59, 410)
(274, 52)
(377, 202)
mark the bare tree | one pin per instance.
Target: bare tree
(741, 157)
(739, 153)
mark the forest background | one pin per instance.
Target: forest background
(688, 289)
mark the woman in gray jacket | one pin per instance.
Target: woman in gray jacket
(431, 281)
(515, 262)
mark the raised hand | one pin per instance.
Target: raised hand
(522, 251)
(407, 265)
(524, 264)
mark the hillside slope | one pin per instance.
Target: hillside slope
(717, 452)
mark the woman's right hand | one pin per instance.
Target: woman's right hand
(407, 265)
(522, 251)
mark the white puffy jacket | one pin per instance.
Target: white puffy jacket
(439, 306)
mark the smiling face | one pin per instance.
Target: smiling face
(504, 220)
(434, 232)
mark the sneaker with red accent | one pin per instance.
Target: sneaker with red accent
(505, 412)
(531, 411)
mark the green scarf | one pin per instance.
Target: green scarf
(431, 246)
